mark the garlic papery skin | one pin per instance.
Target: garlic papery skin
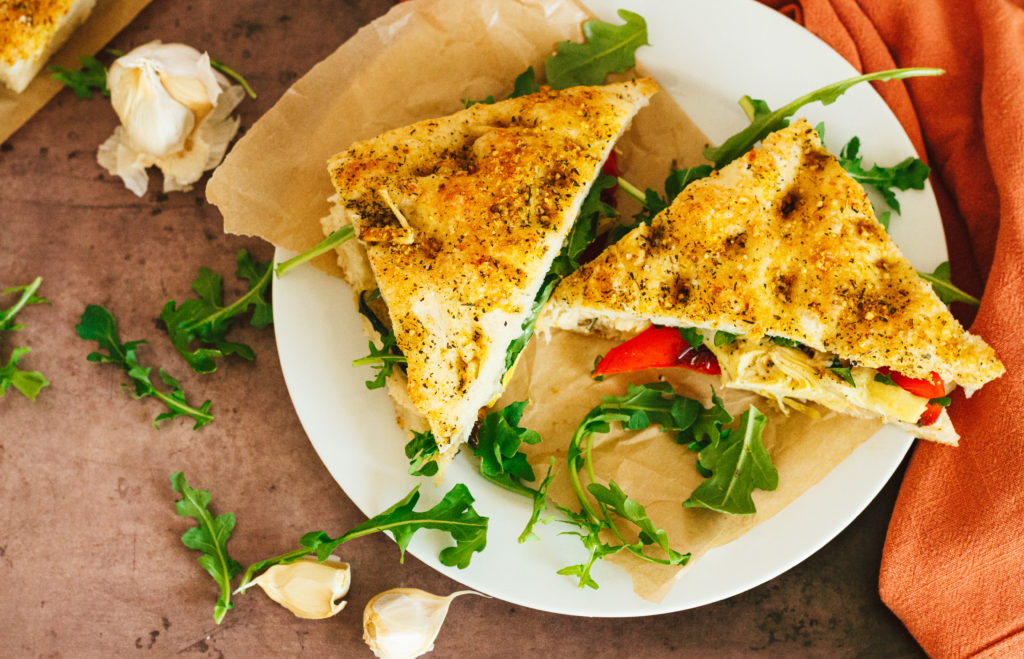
(308, 588)
(175, 114)
(402, 623)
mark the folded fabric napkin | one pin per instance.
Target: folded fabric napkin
(953, 563)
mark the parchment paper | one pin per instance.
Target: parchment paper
(108, 18)
(417, 62)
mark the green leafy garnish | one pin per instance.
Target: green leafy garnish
(907, 174)
(422, 452)
(786, 343)
(91, 77)
(498, 440)
(944, 288)
(210, 537)
(29, 383)
(98, 325)
(843, 372)
(692, 336)
(383, 359)
(454, 515)
(234, 75)
(884, 379)
(707, 426)
(942, 401)
(540, 502)
(641, 406)
(739, 463)
(327, 244)
(525, 83)
(207, 321)
(764, 122)
(608, 49)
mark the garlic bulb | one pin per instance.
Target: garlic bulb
(175, 114)
(307, 588)
(402, 623)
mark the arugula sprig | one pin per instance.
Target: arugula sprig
(383, 359)
(908, 174)
(641, 406)
(333, 240)
(91, 77)
(944, 288)
(737, 464)
(764, 121)
(29, 383)
(205, 320)
(210, 537)
(498, 440)
(608, 48)
(422, 452)
(97, 324)
(454, 515)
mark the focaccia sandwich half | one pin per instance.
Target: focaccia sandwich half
(781, 248)
(460, 219)
(31, 31)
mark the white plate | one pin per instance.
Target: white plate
(706, 55)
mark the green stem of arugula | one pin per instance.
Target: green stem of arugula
(634, 192)
(379, 359)
(20, 304)
(225, 586)
(232, 308)
(234, 75)
(327, 244)
(517, 488)
(296, 554)
(183, 408)
(592, 475)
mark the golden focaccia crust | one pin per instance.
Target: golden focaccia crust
(30, 31)
(461, 218)
(783, 242)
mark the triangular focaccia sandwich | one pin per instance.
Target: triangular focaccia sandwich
(781, 248)
(460, 218)
(31, 31)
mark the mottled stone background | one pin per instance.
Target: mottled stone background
(90, 558)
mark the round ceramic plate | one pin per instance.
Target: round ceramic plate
(706, 55)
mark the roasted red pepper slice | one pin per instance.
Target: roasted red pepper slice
(657, 347)
(933, 388)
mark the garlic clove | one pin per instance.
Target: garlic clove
(402, 623)
(154, 122)
(308, 588)
(177, 60)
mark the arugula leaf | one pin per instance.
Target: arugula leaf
(707, 426)
(692, 336)
(678, 179)
(842, 371)
(723, 338)
(884, 379)
(29, 383)
(383, 359)
(422, 452)
(454, 515)
(91, 77)
(540, 502)
(210, 537)
(944, 288)
(234, 75)
(336, 238)
(942, 401)
(613, 497)
(907, 174)
(525, 83)
(590, 536)
(207, 321)
(498, 440)
(786, 343)
(608, 49)
(98, 325)
(739, 463)
(764, 122)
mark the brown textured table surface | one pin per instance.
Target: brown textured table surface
(91, 563)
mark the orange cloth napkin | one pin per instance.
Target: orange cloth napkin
(953, 563)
